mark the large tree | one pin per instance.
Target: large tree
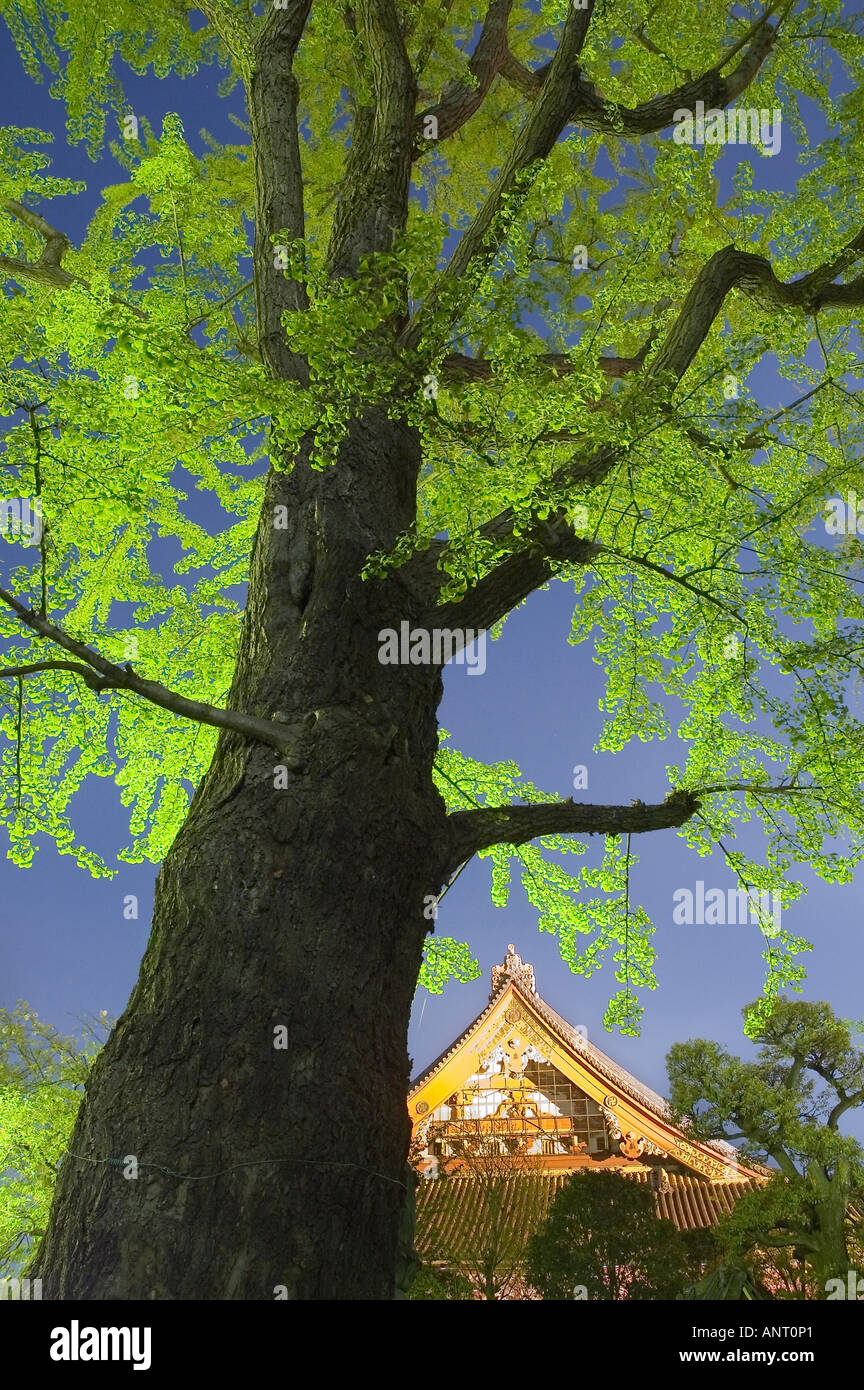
(460, 368)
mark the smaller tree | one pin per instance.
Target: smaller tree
(602, 1235)
(787, 1107)
(42, 1076)
(489, 1257)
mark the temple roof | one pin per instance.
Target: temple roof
(634, 1108)
(516, 973)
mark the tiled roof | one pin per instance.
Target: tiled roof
(625, 1081)
(451, 1211)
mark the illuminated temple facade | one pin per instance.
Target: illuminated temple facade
(523, 1084)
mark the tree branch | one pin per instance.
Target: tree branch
(726, 269)
(459, 100)
(427, 47)
(110, 677)
(35, 667)
(273, 97)
(778, 1239)
(458, 366)
(49, 266)
(231, 30)
(551, 544)
(710, 87)
(48, 270)
(730, 268)
(479, 243)
(524, 79)
(563, 97)
(373, 202)
(758, 789)
(745, 38)
(221, 304)
(512, 825)
(783, 1160)
(845, 1103)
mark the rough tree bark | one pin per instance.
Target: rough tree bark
(300, 907)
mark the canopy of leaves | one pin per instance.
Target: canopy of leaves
(440, 1286)
(717, 607)
(728, 1283)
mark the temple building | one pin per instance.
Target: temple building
(525, 1092)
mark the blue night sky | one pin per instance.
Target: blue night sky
(67, 949)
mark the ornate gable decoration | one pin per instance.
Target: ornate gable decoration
(522, 1073)
(515, 969)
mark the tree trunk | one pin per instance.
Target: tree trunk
(298, 906)
(829, 1257)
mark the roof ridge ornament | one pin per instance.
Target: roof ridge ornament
(515, 969)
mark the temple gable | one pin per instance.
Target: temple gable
(523, 1084)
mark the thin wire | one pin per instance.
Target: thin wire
(627, 920)
(449, 885)
(18, 743)
(252, 1163)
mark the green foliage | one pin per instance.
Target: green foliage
(602, 1235)
(440, 1286)
(42, 1075)
(720, 616)
(787, 1106)
(728, 1283)
(567, 903)
(445, 959)
(77, 45)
